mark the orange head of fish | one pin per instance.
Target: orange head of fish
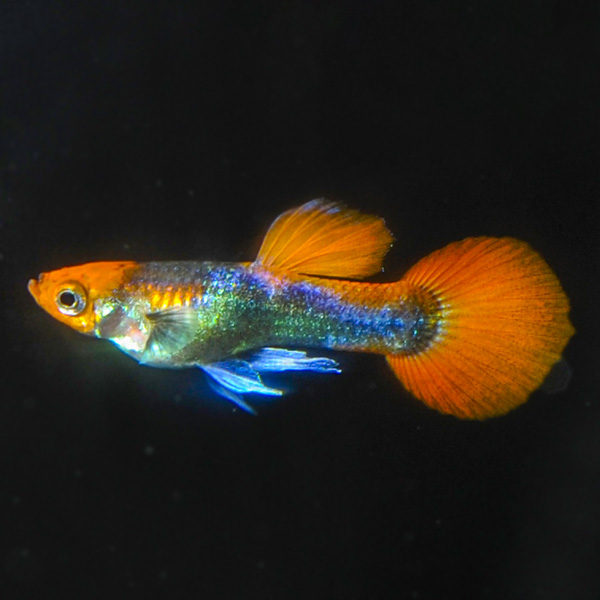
(69, 294)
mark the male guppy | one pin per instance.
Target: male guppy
(471, 330)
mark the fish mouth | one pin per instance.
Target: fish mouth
(34, 289)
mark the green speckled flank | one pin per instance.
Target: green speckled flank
(242, 307)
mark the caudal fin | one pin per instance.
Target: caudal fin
(503, 323)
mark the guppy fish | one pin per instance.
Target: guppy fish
(471, 329)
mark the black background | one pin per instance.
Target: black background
(178, 130)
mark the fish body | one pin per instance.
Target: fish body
(225, 309)
(235, 321)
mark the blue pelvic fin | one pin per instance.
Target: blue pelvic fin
(231, 396)
(235, 377)
(232, 378)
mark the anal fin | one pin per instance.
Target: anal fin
(280, 359)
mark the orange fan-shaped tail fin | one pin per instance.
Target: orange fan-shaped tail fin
(503, 324)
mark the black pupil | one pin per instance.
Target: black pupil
(67, 299)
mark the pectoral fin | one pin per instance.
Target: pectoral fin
(171, 330)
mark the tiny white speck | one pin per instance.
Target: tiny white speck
(149, 450)
(106, 309)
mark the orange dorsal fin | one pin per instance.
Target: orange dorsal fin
(503, 323)
(326, 239)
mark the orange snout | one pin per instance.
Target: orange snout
(68, 294)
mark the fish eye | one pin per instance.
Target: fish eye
(71, 299)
